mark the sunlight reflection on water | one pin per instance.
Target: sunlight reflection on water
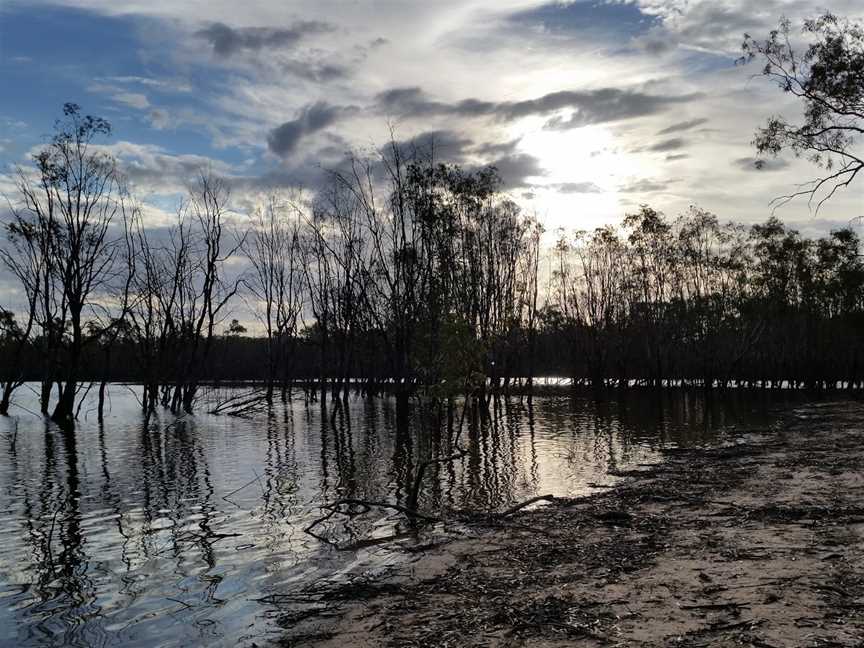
(126, 535)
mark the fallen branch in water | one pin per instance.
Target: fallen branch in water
(241, 404)
(366, 506)
(521, 505)
(421, 470)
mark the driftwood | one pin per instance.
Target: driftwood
(242, 404)
(521, 505)
(335, 508)
(410, 511)
(414, 495)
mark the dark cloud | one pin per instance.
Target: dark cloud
(497, 148)
(452, 147)
(644, 186)
(682, 126)
(755, 164)
(574, 187)
(163, 170)
(673, 144)
(515, 169)
(316, 71)
(445, 145)
(283, 139)
(664, 146)
(588, 106)
(227, 41)
(678, 156)
(654, 43)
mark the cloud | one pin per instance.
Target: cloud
(718, 27)
(446, 145)
(573, 187)
(315, 117)
(152, 168)
(227, 41)
(668, 145)
(159, 119)
(132, 99)
(760, 164)
(682, 126)
(679, 156)
(315, 71)
(120, 95)
(515, 169)
(664, 146)
(645, 186)
(172, 85)
(588, 106)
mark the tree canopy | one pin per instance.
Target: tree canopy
(828, 77)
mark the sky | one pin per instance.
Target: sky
(588, 108)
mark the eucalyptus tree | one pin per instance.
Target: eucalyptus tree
(594, 297)
(204, 287)
(276, 282)
(396, 265)
(63, 214)
(714, 271)
(827, 76)
(655, 273)
(25, 260)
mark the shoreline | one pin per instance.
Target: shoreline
(757, 543)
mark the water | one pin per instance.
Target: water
(171, 534)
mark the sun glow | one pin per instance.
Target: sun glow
(583, 168)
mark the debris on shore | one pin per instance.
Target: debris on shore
(758, 543)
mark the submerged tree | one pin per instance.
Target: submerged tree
(828, 78)
(275, 281)
(61, 228)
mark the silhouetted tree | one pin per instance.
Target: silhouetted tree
(275, 281)
(828, 77)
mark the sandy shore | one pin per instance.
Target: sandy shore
(760, 543)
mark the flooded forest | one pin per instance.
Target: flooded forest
(396, 409)
(407, 275)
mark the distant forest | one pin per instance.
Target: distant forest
(411, 275)
(655, 300)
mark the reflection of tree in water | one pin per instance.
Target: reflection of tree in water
(66, 596)
(151, 504)
(281, 472)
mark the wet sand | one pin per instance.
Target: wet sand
(758, 543)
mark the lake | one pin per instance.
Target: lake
(171, 534)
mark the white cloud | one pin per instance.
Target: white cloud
(457, 50)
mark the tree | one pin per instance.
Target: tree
(63, 217)
(24, 258)
(828, 78)
(275, 281)
(235, 329)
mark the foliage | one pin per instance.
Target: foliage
(828, 78)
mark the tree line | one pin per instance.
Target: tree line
(424, 263)
(402, 275)
(691, 301)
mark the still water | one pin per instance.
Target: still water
(170, 534)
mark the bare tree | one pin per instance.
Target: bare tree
(26, 261)
(276, 281)
(203, 288)
(61, 224)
